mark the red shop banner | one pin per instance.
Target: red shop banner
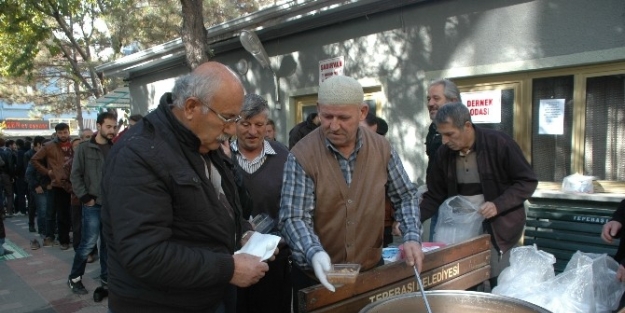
(26, 124)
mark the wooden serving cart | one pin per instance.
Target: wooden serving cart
(454, 267)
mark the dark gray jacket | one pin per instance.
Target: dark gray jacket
(302, 129)
(87, 171)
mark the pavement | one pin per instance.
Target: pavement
(35, 281)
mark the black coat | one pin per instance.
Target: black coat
(2, 232)
(302, 129)
(433, 141)
(170, 241)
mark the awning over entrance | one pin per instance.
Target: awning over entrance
(116, 99)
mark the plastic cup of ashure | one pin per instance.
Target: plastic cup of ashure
(262, 223)
(343, 274)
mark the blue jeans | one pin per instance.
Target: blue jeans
(21, 189)
(91, 230)
(57, 214)
(41, 203)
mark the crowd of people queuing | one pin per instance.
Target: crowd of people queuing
(55, 182)
(171, 198)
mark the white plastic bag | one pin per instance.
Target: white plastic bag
(577, 183)
(420, 191)
(571, 291)
(458, 220)
(607, 290)
(529, 267)
(587, 285)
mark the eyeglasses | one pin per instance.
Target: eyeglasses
(223, 119)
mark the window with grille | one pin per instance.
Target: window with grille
(551, 154)
(604, 137)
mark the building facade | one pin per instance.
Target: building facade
(560, 59)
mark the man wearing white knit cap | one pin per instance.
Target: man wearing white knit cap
(335, 182)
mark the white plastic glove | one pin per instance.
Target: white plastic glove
(321, 264)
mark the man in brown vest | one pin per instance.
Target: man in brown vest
(333, 191)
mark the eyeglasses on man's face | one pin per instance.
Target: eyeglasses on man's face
(233, 119)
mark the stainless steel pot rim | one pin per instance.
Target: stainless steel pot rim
(480, 296)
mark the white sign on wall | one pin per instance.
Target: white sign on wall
(330, 67)
(484, 106)
(551, 117)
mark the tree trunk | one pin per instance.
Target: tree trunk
(193, 32)
(81, 125)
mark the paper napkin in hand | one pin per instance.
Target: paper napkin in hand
(261, 245)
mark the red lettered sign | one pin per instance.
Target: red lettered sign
(26, 124)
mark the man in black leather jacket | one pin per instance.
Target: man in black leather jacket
(170, 212)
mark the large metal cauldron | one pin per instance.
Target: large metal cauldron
(452, 301)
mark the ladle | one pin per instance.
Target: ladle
(425, 299)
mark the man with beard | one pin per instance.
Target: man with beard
(86, 176)
(170, 213)
(440, 92)
(54, 160)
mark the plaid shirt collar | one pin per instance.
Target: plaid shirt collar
(332, 148)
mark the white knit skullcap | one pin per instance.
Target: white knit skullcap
(340, 90)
